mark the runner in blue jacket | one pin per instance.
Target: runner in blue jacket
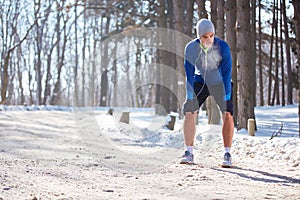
(208, 67)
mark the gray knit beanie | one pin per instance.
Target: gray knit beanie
(204, 26)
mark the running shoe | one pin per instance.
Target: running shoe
(187, 158)
(227, 160)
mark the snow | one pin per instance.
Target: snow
(54, 152)
(147, 130)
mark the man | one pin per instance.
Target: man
(208, 69)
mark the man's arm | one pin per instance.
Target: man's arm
(189, 73)
(226, 70)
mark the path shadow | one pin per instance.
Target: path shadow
(270, 177)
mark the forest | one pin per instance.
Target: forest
(91, 53)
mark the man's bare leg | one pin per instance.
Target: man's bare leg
(189, 128)
(227, 132)
(227, 129)
(189, 131)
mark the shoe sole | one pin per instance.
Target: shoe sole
(187, 163)
(226, 166)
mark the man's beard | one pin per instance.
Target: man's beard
(207, 45)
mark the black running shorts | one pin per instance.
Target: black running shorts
(202, 91)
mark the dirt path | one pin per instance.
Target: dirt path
(42, 156)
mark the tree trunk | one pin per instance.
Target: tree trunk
(179, 26)
(92, 77)
(202, 13)
(253, 54)
(282, 57)
(61, 50)
(83, 70)
(47, 91)
(189, 17)
(245, 76)
(76, 66)
(214, 12)
(161, 22)
(4, 82)
(38, 56)
(211, 105)
(270, 73)
(288, 52)
(261, 83)
(220, 19)
(296, 5)
(104, 63)
(276, 78)
(231, 39)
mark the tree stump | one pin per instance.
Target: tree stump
(251, 127)
(214, 116)
(171, 123)
(110, 111)
(125, 117)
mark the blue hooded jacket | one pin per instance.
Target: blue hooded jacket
(212, 66)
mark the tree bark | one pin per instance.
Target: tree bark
(230, 7)
(253, 53)
(296, 5)
(276, 78)
(288, 51)
(270, 73)
(104, 70)
(261, 84)
(282, 57)
(245, 76)
(214, 12)
(220, 19)
(202, 13)
(189, 18)
(5, 75)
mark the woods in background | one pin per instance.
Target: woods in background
(63, 52)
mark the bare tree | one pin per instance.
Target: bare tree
(62, 34)
(9, 48)
(76, 65)
(83, 52)
(104, 70)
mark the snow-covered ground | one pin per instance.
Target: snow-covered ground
(70, 153)
(147, 130)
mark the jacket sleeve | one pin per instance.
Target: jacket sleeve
(189, 72)
(226, 70)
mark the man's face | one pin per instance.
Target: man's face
(207, 39)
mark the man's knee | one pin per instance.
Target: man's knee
(188, 116)
(227, 115)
